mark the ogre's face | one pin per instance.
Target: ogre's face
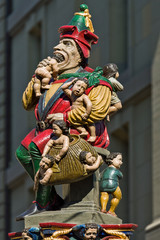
(68, 54)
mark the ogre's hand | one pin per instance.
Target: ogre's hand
(54, 67)
(55, 116)
(51, 65)
(44, 62)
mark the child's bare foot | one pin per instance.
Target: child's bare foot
(92, 139)
(84, 134)
(38, 94)
(108, 118)
(46, 87)
(112, 213)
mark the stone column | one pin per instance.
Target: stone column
(2, 117)
(153, 230)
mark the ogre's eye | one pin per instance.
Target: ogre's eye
(67, 43)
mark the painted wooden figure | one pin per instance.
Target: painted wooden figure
(109, 183)
(79, 99)
(61, 138)
(110, 71)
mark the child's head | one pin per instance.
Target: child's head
(110, 70)
(87, 158)
(114, 159)
(26, 235)
(46, 162)
(79, 86)
(60, 127)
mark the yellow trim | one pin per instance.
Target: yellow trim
(57, 234)
(20, 237)
(117, 234)
(120, 230)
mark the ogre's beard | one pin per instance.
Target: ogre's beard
(59, 57)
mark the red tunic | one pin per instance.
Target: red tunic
(62, 105)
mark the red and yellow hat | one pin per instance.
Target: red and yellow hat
(80, 29)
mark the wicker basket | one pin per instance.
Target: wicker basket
(71, 169)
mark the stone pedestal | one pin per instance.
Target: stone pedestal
(81, 206)
(71, 216)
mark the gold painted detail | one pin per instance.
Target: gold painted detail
(87, 16)
(57, 234)
(54, 238)
(116, 233)
(20, 237)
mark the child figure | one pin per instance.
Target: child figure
(47, 167)
(61, 131)
(79, 98)
(110, 71)
(109, 183)
(47, 73)
(90, 163)
(26, 235)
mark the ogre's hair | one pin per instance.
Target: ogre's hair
(82, 156)
(84, 61)
(83, 79)
(111, 156)
(109, 70)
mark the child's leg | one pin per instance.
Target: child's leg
(37, 87)
(117, 196)
(104, 200)
(82, 131)
(92, 131)
(114, 108)
(45, 84)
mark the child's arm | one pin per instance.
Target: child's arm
(88, 105)
(116, 84)
(95, 165)
(120, 175)
(47, 177)
(65, 87)
(64, 148)
(47, 147)
(36, 181)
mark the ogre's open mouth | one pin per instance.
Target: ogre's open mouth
(58, 56)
